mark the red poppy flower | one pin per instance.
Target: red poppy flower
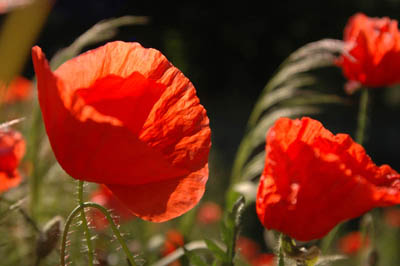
(374, 48)
(124, 116)
(20, 89)
(314, 179)
(12, 149)
(209, 213)
(104, 197)
(352, 243)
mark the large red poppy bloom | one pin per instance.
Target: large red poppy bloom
(12, 149)
(374, 48)
(124, 116)
(314, 179)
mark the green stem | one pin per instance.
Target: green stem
(114, 228)
(362, 116)
(281, 259)
(85, 224)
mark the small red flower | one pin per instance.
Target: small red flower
(209, 213)
(174, 239)
(352, 242)
(248, 248)
(12, 149)
(20, 89)
(392, 217)
(104, 197)
(263, 259)
(373, 46)
(314, 179)
(124, 116)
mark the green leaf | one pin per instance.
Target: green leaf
(216, 250)
(193, 258)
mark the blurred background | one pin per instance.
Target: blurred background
(229, 51)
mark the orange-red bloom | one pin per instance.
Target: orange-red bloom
(374, 48)
(124, 116)
(248, 248)
(18, 90)
(352, 242)
(174, 239)
(314, 179)
(12, 149)
(104, 197)
(209, 212)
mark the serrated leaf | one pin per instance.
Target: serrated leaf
(216, 250)
(286, 91)
(326, 45)
(254, 167)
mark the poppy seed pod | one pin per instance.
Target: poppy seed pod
(123, 116)
(314, 180)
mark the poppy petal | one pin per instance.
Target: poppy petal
(314, 179)
(161, 201)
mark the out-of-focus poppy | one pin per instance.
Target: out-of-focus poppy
(12, 149)
(19, 89)
(123, 116)
(104, 197)
(352, 243)
(391, 217)
(373, 51)
(248, 248)
(173, 240)
(314, 179)
(209, 212)
(263, 259)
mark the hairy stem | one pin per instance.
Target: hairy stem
(114, 228)
(85, 224)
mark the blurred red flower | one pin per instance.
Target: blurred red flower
(173, 240)
(19, 89)
(352, 242)
(209, 212)
(104, 197)
(124, 116)
(263, 259)
(251, 252)
(314, 179)
(12, 149)
(248, 248)
(373, 46)
(392, 217)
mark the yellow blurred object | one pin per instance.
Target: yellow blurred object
(18, 33)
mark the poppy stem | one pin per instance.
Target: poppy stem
(281, 258)
(114, 228)
(85, 223)
(362, 116)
